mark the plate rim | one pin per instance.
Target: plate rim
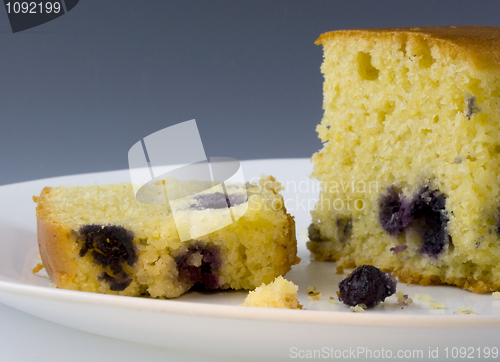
(209, 310)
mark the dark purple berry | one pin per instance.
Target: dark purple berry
(394, 211)
(117, 283)
(109, 246)
(313, 233)
(202, 274)
(218, 200)
(430, 220)
(398, 249)
(426, 214)
(472, 107)
(367, 285)
(344, 227)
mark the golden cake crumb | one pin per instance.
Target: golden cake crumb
(37, 268)
(280, 293)
(436, 305)
(496, 295)
(360, 308)
(465, 310)
(311, 290)
(403, 298)
(315, 296)
(423, 297)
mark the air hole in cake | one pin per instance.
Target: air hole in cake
(344, 228)
(402, 48)
(198, 266)
(109, 245)
(365, 68)
(424, 52)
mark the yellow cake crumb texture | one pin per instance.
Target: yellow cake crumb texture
(359, 308)
(403, 298)
(280, 293)
(465, 311)
(436, 305)
(37, 268)
(423, 297)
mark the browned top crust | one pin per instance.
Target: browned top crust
(479, 44)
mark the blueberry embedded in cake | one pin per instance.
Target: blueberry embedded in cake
(101, 239)
(411, 154)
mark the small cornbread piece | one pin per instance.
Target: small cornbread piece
(281, 293)
(102, 239)
(403, 298)
(436, 305)
(409, 171)
(465, 311)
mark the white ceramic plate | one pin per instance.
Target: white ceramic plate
(215, 322)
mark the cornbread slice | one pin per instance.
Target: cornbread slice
(410, 168)
(101, 239)
(281, 293)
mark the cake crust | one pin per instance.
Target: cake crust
(480, 44)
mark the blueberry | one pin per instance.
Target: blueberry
(201, 273)
(313, 233)
(367, 285)
(344, 228)
(116, 283)
(472, 107)
(111, 246)
(394, 211)
(426, 214)
(218, 200)
(430, 220)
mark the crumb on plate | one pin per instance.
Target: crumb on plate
(423, 297)
(281, 293)
(359, 308)
(403, 298)
(465, 310)
(436, 305)
(37, 268)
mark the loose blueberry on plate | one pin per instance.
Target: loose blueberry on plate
(367, 285)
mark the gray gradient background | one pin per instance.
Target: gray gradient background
(78, 92)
